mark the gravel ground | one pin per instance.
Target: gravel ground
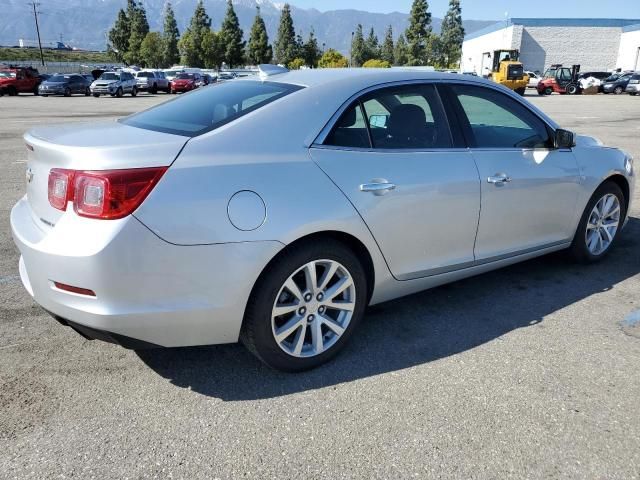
(526, 372)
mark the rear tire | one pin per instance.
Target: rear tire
(134, 91)
(598, 228)
(12, 92)
(97, 95)
(87, 92)
(304, 347)
(67, 92)
(521, 91)
(154, 89)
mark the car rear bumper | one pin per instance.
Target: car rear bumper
(179, 88)
(147, 291)
(633, 88)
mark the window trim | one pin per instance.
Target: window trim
(465, 127)
(357, 97)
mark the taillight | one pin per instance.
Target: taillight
(108, 194)
(60, 188)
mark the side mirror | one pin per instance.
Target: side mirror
(564, 139)
(378, 121)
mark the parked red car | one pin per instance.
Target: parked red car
(15, 80)
(184, 82)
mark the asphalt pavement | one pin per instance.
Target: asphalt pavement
(527, 372)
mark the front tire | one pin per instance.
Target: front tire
(134, 91)
(572, 89)
(600, 224)
(618, 90)
(548, 91)
(119, 92)
(305, 306)
(521, 91)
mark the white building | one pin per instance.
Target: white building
(629, 54)
(594, 44)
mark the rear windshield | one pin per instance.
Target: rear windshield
(109, 76)
(145, 75)
(59, 78)
(209, 108)
(7, 75)
(185, 76)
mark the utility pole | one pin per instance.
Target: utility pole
(35, 5)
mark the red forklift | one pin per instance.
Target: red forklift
(559, 79)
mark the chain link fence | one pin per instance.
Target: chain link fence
(59, 67)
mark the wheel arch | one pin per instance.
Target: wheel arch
(623, 183)
(350, 241)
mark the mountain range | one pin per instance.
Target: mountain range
(85, 23)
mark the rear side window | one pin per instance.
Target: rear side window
(209, 108)
(403, 117)
(497, 121)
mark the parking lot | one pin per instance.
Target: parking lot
(525, 372)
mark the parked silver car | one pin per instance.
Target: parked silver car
(274, 210)
(152, 81)
(115, 84)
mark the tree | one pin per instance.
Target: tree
(418, 33)
(310, 51)
(386, 52)
(189, 52)
(151, 50)
(296, 64)
(400, 53)
(375, 63)
(452, 34)
(258, 49)
(170, 52)
(139, 29)
(285, 45)
(192, 44)
(212, 49)
(371, 48)
(231, 37)
(333, 59)
(119, 37)
(358, 48)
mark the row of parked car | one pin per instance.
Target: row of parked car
(564, 80)
(15, 80)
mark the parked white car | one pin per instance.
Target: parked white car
(534, 79)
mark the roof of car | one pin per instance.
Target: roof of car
(321, 76)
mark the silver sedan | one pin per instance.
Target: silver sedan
(273, 210)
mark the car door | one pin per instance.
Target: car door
(77, 85)
(391, 153)
(529, 189)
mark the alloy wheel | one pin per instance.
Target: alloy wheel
(313, 308)
(603, 224)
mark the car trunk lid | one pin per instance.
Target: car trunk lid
(101, 146)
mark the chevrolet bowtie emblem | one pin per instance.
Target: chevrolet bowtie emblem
(29, 175)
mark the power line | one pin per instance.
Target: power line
(35, 6)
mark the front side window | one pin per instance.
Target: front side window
(403, 117)
(209, 108)
(497, 121)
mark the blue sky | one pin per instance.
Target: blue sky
(490, 9)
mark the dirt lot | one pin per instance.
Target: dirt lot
(526, 372)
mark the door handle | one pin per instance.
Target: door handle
(377, 188)
(499, 179)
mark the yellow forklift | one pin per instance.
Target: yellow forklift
(507, 70)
